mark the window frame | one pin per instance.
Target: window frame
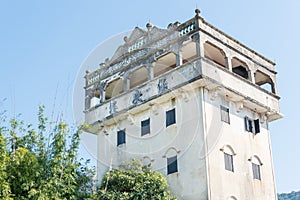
(228, 162)
(121, 137)
(252, 125)
(256, 171)
(225, 116)
(145, 127)
(170, 117)
(172, 165)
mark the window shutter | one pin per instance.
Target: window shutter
(250, 122)
(256, 171)
(225, 114)
(256, 125)
(228, 161)
(246, 119)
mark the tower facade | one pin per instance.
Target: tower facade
(191, 102)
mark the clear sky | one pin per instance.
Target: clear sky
(43, 44)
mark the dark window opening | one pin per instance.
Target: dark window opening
(172, 165)
(121, 137)
(240, 68)
(228, 162)
(225, 114)
(252, 126)
(170, 117)
(241, 71)
(145, 125)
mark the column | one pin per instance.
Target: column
(251, 75)
(178, 57)
(102, 87)
(126, 78)
(150, 71)
(228, 63)
(87, 99)
(196, 39)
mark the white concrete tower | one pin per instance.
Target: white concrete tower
(192, 102)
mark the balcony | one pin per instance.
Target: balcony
(200, 72)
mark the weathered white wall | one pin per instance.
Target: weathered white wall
(197, 136)
(240, 183)
(186, 136)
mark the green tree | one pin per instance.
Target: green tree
(132, 182)
(4, 159)
(41, 163)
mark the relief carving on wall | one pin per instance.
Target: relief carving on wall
(162, 85)
(137, 97)
(113, 107)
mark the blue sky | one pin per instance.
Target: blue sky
(43, 45)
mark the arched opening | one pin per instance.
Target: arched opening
(146, 161)
(228, 157)
(188, 51)
(164, 63)
(264, 81)
(215, 54)
(240, 68)
(138, 77)
(172, 163)
(114, 88)
(256, 167)
(228, 149)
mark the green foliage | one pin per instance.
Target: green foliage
(41, 164)
(33, 167)
(289, 196)
(131, 181)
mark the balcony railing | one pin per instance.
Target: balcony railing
(199, 69)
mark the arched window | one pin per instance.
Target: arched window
(172, 165)
(256, 167)
(114, 88)
(264, 81)
(228, 157)
(146, 161)
(138, 77)
(164, 63)
(240, 68)
(214, 53)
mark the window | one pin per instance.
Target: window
(252, 125)
(170, 117)
(225, 114)
(172, 165)
(121, 137)
(228, 162)
(256, 171)
(145, 125)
